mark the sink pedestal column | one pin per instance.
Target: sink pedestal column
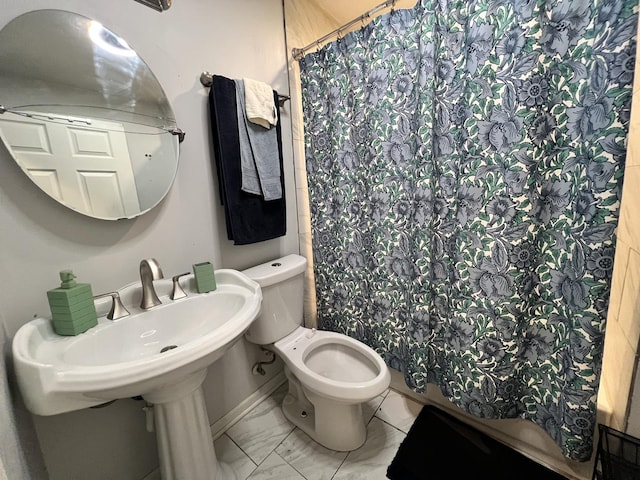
(185, 445)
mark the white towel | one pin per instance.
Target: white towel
(259, 104)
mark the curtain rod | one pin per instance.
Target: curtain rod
(298, 53)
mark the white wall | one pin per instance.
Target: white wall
(39, 237)
(19, 453)
(619, 396)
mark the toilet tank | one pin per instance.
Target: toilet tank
(282, 284)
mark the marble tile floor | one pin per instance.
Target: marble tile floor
(264, 445)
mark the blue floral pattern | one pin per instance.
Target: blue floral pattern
(465, 160)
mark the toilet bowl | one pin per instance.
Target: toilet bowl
(333, 365)
(334, 374)
(330, 374)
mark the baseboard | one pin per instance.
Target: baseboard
(219, 427)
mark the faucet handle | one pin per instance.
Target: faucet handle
(118, 310)
(177, 291)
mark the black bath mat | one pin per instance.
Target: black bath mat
(441, 447)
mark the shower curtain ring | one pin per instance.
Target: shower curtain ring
(365, 17)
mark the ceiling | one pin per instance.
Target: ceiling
(312, 19)
(342, 12)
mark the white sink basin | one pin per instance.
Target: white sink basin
(124, 358)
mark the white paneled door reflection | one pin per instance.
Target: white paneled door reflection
(86, 167)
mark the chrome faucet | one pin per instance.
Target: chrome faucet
(149, 271)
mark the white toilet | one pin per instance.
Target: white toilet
(330, 375)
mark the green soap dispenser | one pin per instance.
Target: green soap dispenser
(72, 308)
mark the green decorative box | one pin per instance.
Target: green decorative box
(205, 277)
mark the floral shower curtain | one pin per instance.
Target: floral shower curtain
(465, 162)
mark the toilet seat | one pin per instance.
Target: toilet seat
(333, 365)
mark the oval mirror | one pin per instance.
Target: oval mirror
(84, 117)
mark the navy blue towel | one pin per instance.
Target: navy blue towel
(249, 218)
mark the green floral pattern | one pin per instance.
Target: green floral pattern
(465, 162)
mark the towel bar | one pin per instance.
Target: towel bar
(206, 79)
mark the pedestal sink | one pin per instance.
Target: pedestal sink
(161, 354)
